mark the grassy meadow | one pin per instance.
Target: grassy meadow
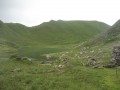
(57, 52)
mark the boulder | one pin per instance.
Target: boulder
(99, 67)
(109, 66)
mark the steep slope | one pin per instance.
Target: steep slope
(68, 32)
(53, 32)
(113, 33)
(13, 32)
(101, 47)
(49, 37)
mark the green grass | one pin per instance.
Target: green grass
(49, 37)
(34, 76)
(38, 51)
(55, 38)
(67, 32)
(53, 32)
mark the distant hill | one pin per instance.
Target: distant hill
(53, 32)
(67, 31)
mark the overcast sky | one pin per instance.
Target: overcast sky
(34, 12)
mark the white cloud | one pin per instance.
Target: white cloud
(33, 12)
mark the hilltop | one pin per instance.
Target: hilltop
(48, 37)
(53, 32)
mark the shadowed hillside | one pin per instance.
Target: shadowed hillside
(112, 35)
(101, 47)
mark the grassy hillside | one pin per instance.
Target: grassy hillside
(67, 32)
(68, 51)
(101, 47)
(35, 76)
(49, 37)
(53, 32)
(112, 35)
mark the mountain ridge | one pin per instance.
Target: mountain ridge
(52, 32)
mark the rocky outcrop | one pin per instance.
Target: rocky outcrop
(116, 55)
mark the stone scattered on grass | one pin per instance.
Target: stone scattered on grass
(63, 57)
(110, 66)
(98, 66)
(48, 57)
(18, 58)
(47, 64)
(17, 70)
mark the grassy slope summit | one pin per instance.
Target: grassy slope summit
(61, 32)
(53, 32)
